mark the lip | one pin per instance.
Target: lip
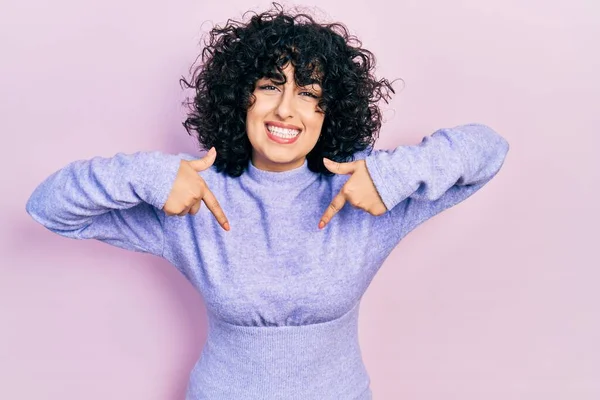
(281, 140)
(282, 125)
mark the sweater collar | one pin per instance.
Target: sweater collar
(288, 178)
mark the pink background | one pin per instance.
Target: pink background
(495, 299)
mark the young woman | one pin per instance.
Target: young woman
(300, 211)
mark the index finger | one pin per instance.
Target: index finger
(215, 208)
(334, 207)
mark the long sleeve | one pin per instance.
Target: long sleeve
(117, 200)
(417, 182)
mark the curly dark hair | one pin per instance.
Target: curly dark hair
(235, 56)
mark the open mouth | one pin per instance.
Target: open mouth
(282, 135)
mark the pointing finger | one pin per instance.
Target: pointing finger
(334, 207)
(215, 208)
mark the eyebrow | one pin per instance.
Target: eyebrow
(312, 82)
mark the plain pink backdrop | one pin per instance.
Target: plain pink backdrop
(494, 299)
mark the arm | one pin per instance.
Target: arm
(117, 200)
(418, 182)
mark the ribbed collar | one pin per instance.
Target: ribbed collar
(285, 179)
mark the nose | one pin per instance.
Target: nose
(285, 107)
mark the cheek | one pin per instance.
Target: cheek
(257, 111)
(315, 123)
(254, 121)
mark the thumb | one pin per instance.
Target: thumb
(205, 162)
(339, 168)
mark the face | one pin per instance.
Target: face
(284, 123)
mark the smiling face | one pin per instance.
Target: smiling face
(284, 123)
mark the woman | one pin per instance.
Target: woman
(299, 214)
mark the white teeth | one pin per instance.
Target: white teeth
(283, 132)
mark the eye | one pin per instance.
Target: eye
(309, 94)
(267, 87)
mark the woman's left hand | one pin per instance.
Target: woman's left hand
(359, 190)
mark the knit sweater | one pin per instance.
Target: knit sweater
(282, 295)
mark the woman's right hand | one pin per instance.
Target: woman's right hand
(190, 190)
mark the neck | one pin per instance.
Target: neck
(287, 180)
(271, 166)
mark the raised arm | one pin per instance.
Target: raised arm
(417, 182)
(117, 200)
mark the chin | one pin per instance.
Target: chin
(281, 161)
(281, 155)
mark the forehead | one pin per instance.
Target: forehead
(309, 75)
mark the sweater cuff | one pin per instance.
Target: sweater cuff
(391, 188)
(152, 176)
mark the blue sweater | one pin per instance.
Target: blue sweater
(282, 296)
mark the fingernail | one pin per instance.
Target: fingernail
(321, 225)
(226, 226)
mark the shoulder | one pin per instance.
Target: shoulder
(361, 155)
(210, 175)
